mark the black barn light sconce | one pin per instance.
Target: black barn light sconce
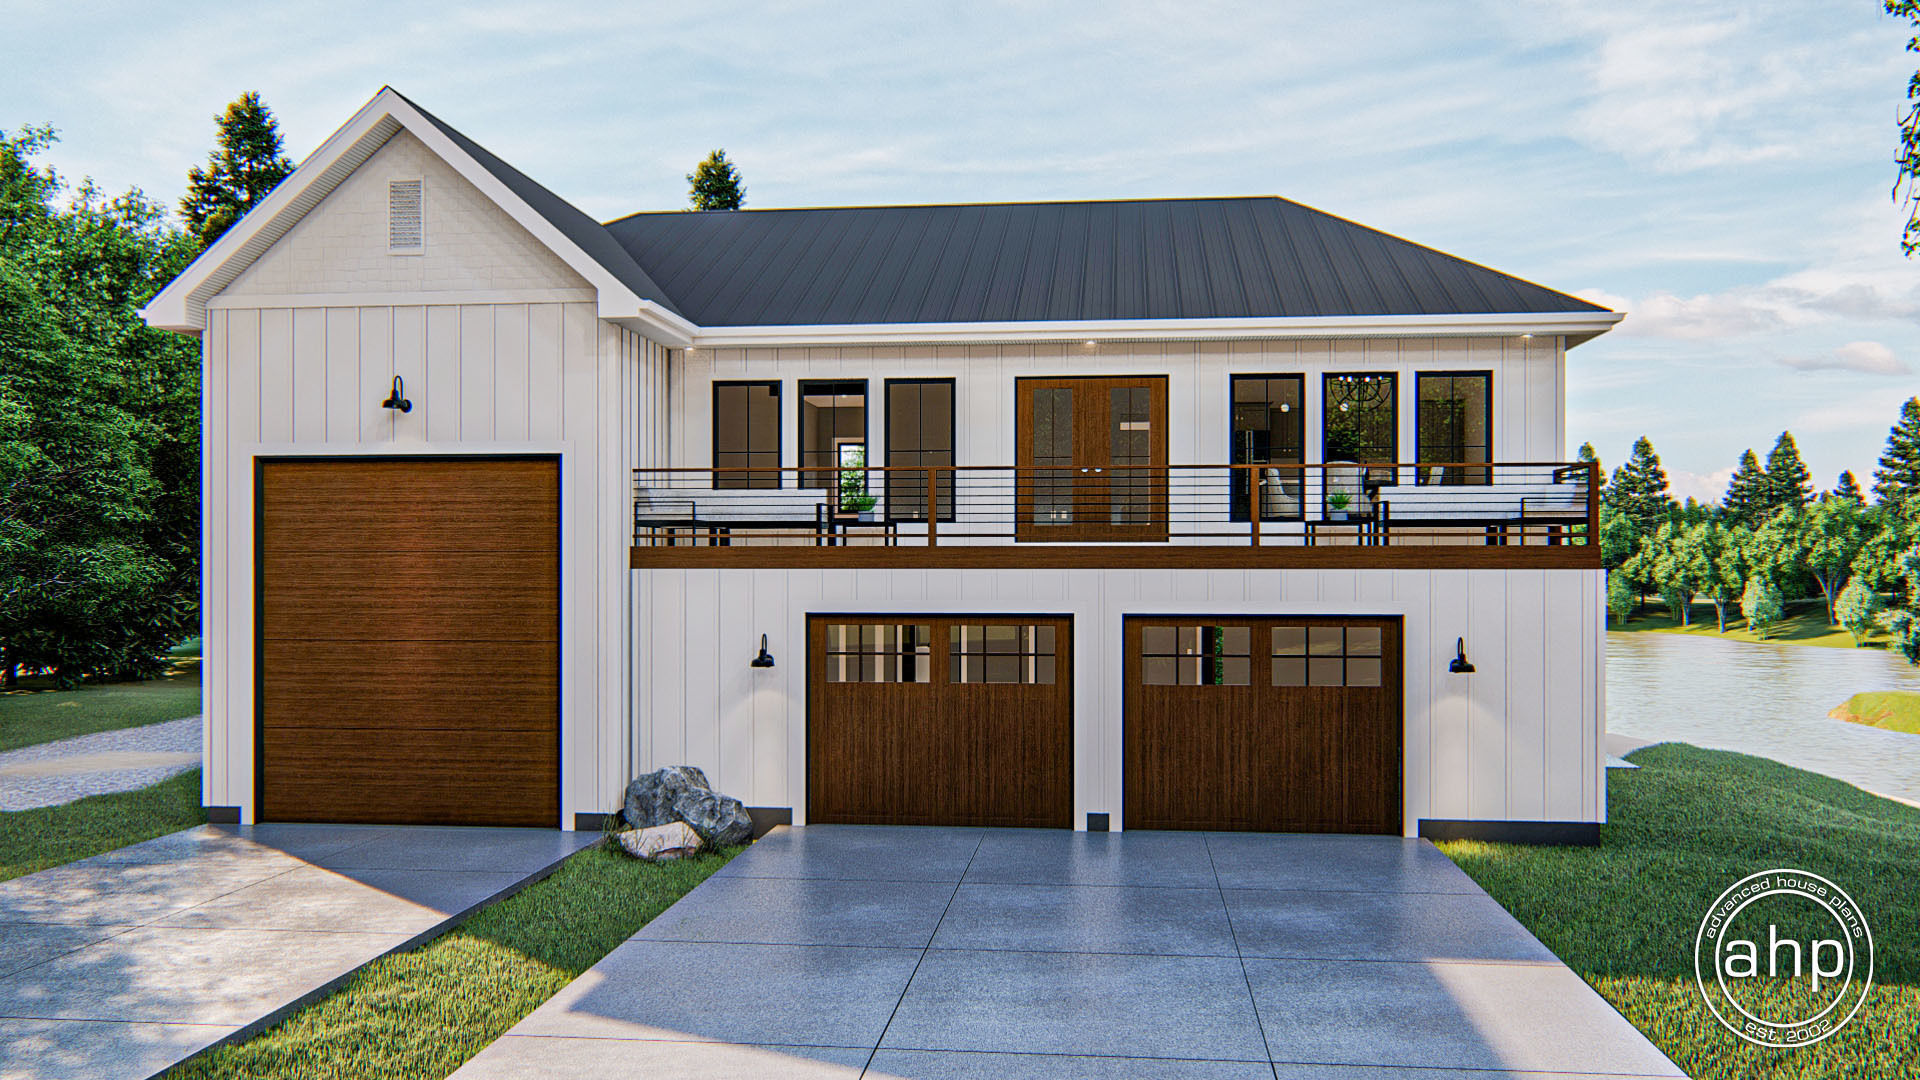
(1460, 665)
(765, 659)
(398, 399)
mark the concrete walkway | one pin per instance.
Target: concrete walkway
(841, 951)
(48, 774)
(126, 963)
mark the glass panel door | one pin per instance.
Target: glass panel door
(1091, 454)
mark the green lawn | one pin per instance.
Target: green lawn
(1895, 710)
(1805, 624)
(1683, 827)
(419, 1015)
(36, 839)
(36, 713)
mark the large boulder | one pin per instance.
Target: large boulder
(681, 793)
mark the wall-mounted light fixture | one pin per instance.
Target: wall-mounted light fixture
(1460, 665)
(765, 659)
(398, 399)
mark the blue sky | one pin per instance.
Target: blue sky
(1719, 171)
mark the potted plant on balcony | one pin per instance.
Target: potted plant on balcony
(852, 498)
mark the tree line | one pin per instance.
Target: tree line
(99, 414)
(1772, 539)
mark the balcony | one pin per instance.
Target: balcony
(1337, 514)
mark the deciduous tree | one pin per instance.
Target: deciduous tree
(1907, 160)
(1760, 603)
(246, 164)
(1722, 547)
(1824, 539)
(1858, 608)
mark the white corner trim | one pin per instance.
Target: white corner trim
(227, 301)
(1337, 326)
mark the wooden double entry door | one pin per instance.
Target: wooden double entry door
(1092, 459)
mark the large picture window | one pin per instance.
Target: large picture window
(1360, 418)
(833, 431)
(1269, 427)
(919, 433)
(746, 434)
(1454, 419)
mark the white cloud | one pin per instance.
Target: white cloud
(1866, 357)
(1707, 487)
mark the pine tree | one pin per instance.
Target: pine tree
(1746, 501)
(1639, 488)
(246, 164)
(1898, 477)
(714, 184)
(1849, 488)
(1789, 484)
(1588, 453)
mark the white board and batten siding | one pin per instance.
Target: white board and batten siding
(1520, 739)
(501, 351)
(1529, 387)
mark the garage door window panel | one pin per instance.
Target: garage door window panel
(1326, 656)
(879, 653)
(1005, 654)
(1196, 655)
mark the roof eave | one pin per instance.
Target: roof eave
(1574, 326)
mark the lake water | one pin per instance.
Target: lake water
(1767, 700)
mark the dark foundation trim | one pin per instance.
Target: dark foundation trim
(590, 822)
(1553, 833)
(1097, 822)
(765, 818)
(223, 815)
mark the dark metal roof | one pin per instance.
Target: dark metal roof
(587, 234)
(1063, 261)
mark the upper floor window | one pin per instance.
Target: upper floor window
(1360, 419)
(1455, 425)
(919, 432)
(833, 431)
(746, 434)
(1269, 426)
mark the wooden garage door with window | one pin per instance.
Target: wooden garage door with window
(940, 720)
(408, 640)
(1263, 724)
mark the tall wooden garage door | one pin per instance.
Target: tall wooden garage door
(409, 641)
(1272, 725)
(960, 720)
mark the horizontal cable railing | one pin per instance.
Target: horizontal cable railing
(1266, 504)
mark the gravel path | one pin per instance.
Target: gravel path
(106, 761)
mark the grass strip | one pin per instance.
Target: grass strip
(420, 1014)
(1895, 710)
(33, 840)
(1805, 624)
(33, 713)
(1683, 827)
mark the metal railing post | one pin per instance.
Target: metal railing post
(933, 508)
(1253, 502)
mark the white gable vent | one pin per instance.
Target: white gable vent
(406, 217)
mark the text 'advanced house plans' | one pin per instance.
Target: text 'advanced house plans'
(1191, 514)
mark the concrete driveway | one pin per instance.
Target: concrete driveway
(841, 951)
(125, 963)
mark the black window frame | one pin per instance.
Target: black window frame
(779, 437)
(944, 510)
(1466, 476)
(1237, 486)
(827, 482)
(1376, 473)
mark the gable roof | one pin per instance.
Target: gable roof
(1151, 259)
(587, 234)
(625, 293)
